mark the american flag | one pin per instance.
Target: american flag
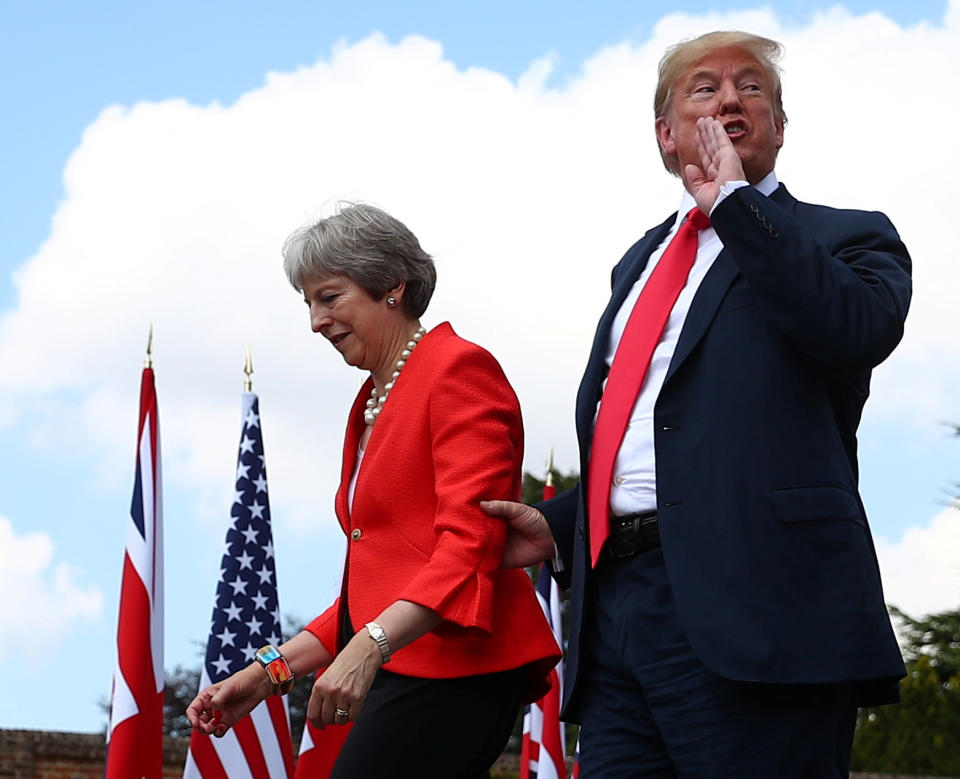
(135, 731)
(543, 748)
(246, 616)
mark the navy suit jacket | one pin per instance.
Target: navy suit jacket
(765, 538)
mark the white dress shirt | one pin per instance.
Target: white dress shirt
(634, 484)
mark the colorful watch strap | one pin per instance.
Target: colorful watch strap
(277, 668)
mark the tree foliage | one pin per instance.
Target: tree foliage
(180, 687)
(533, 487)
(921, 735)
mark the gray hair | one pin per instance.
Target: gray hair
(684, 55)
(370, 247)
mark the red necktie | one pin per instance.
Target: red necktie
(630, 363)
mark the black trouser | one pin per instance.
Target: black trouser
(650, 708)
(443, 728)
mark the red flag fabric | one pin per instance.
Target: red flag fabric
(246, 616)
(319, 750)
(135, 730)
(543, 749)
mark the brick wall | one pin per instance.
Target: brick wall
(39, 754)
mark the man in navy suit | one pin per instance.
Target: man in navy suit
(734, 620)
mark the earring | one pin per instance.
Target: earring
(391, 302)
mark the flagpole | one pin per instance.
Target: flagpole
(148, 362)
(248, 370)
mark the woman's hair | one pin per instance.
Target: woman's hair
(368, 246)
(679, 58)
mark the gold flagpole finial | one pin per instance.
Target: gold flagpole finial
(550, 469)
(248, 369)
(148, 362)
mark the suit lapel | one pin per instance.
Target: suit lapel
(634, 261)
(703, 307)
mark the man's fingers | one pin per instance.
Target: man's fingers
(502, 509)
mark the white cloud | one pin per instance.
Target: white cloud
(526, 193)
(921, 571)
(41, 602)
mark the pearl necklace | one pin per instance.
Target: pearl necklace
(376, 401)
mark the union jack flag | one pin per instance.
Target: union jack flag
(135, 730)
(543, 749)
(246, 616)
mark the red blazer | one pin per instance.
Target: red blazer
(449, 436)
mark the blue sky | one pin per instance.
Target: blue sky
(77, 293)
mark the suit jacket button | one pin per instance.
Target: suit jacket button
(355, 534)
(753, 207)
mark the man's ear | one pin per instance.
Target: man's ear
(665, 136)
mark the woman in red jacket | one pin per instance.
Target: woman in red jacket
(435, 429)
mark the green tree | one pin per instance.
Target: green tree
(180, 687)
(532, 491)
(921, 735)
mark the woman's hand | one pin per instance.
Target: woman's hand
(345, 683)
(220, 706)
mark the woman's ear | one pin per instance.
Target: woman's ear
(397, 292)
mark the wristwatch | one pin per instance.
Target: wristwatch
(378, 634)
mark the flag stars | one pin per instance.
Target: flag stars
(265, 575)
(239, 585)
(260, 601)
(233, 612)
(261, 483)
(250, 534)
(249, 652)
(254, 626)
(226, 637)
(268, 549)
(256, 511)
(243, 471)
(222, 665)
(251, 420)
(246, 445)
(238, 497)
(245, 560)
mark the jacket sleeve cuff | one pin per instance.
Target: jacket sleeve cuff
(324, 628)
